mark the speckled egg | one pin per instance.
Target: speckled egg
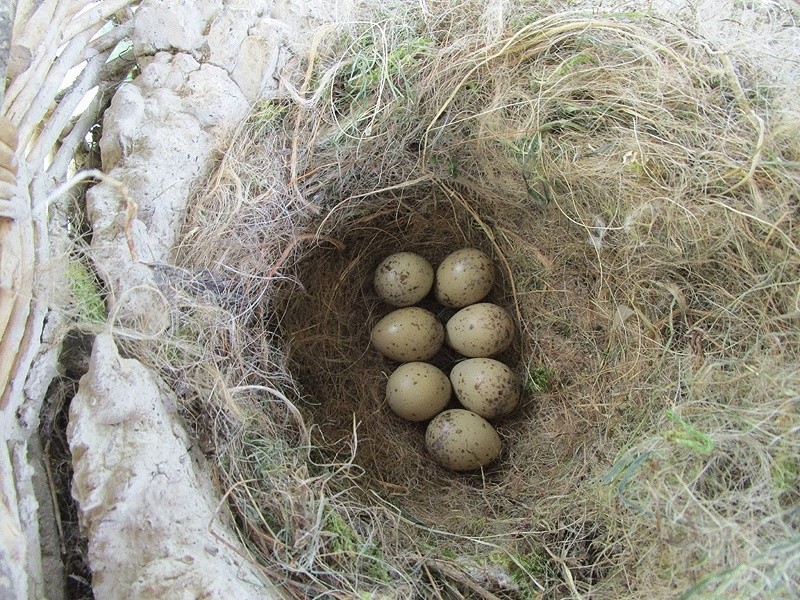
(403, 279)
(464, 277)
(480, 330)
(460, 440)
(486, 386)
(417, 391)
(408, 334)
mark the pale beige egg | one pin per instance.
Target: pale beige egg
(408, 334)
(480, 330)
(485, 386)
(403, 279)
(464, 277)
(460, 440)
(417, 391)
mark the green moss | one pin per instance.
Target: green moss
(266, 454)
(537, 380)
(688, 436)
(526, 570)
(182, 345)
(371, 67)
(786, 475)
(447, 553)
(85, 293)
(344, 540)
(524, 21)
(270, 113)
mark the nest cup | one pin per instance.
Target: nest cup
(612, 167)
(332, 317)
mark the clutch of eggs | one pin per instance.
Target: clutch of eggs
(458, 439)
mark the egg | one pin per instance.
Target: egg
(480, 330)
(408, 334)
(464, 277)
(403, 279)
(460, 440)
(485, 386)
(417, 391)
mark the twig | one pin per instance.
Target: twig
(96, 14)
(61, 116)
(429, 575)
(459, 577)
(567, 573)
(54, 496)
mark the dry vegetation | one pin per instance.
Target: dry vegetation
(639, 192)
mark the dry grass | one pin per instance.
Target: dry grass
(640, 198)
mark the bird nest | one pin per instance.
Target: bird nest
(638, 192)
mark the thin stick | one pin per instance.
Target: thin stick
(567, 573)
(54, 496)
(459, 577)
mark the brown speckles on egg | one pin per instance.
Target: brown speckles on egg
(408, 334)
(480, 330)
(486, 387)
(464, 277)
(403, 279)
(461, 440)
